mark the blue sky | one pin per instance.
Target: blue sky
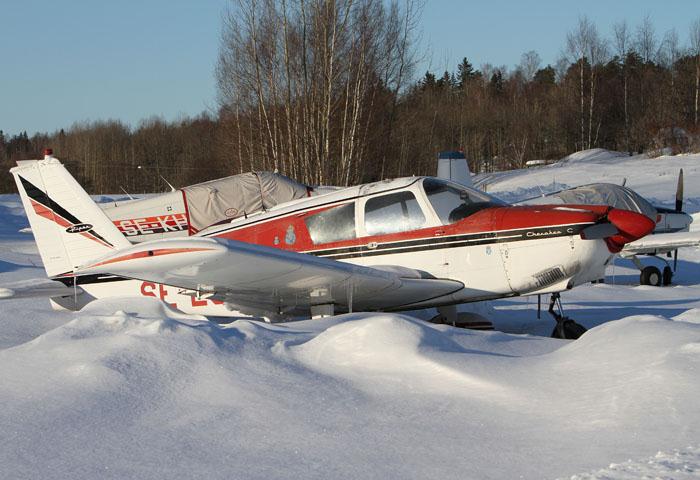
(74, 60)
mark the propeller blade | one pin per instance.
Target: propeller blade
(599, 231)
(679, 192)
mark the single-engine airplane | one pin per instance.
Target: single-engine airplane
(392, 245)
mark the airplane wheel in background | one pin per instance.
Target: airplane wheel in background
(650, 276)
(667, 275)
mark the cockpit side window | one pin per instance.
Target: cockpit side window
(396, 212)
(452, 202)
(332, 225)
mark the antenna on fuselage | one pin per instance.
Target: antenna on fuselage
(127, 193)
(172, 189)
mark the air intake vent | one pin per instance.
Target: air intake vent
(549, 276)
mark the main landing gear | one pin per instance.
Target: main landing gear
(565, 328)
(651, 275)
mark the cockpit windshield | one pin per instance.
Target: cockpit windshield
(453, 202)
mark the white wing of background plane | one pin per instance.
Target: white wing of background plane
(266, 278)
(661, 243)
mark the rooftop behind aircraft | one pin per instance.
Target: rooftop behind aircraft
(393, 245)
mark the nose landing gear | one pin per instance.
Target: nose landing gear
(565, 328)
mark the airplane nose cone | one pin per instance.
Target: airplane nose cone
(631, 226)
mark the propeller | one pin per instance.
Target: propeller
(619, 227)
(679, 193)
(599, 231)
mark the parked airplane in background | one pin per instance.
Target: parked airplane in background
(393, 245)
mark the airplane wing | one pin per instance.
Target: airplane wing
(661, 243)
(266, 278)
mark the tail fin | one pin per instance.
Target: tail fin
(453, 166)
(69, 228)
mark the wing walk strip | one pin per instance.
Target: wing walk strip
(45, 207)
(432, 243)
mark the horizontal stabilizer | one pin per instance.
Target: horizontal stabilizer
(37, 288)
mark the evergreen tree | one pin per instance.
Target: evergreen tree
(545, 76)
(496, 83)
(3, 147)
(465, 73)
(446, 81)
(428, 81)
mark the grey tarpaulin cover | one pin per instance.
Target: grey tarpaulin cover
(600, 194)
(232, 197)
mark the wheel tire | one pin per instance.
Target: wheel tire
(651, 276)
(667, 276)
(567, 329)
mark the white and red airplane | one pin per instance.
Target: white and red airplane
(393, 245)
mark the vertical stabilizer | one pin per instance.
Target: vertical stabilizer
(69, 228)
(453, 166)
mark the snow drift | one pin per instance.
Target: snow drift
(131, 389)
(156, 394)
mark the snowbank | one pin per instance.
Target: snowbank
(592, 155)
(131, 389)
(678, 465)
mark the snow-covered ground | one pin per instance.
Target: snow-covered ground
(128, 388)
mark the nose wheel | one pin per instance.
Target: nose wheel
(565, 328)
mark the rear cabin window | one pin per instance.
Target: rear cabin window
(397, 212)
(452, 203)
(332, 225)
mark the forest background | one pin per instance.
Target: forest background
(328, 92)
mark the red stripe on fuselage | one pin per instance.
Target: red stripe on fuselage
(190, 229)
(274, 232)
(148, 253)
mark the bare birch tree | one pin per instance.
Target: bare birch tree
(586, 47)
(695, 51)
(309, 75)
(622, 40)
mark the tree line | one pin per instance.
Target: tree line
(326, 91)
